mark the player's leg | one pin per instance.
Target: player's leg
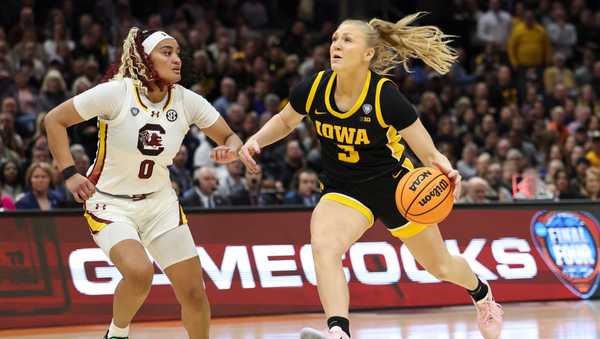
(134, 265)
(336, 223)
(118, 238)
(429, 250)
(176, 253)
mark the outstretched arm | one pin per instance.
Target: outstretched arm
(277, 128)
(229, 142)
(421, 143)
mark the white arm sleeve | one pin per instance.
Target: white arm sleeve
(199, 110)
(104, 100)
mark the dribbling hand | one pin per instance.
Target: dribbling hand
(453, 175)
(81, 188)
(223, 155)
(246, 153)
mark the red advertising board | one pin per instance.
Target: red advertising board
(51, 272)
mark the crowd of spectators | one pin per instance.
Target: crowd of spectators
(518, 115)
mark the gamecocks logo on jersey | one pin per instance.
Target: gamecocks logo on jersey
(150, 139)
(568, 242)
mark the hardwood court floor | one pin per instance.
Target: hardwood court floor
(548, 320)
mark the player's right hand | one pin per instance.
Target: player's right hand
(81, 188)
(246, 154)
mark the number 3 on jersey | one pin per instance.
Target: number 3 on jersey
(349, 154)
(149, 143)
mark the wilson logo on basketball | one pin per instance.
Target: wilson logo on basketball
(568, 242)
(415, 184)
(435, 192)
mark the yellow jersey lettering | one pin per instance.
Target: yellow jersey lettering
(344, 135)
(327, 131)
(361, 137)
(318, 127)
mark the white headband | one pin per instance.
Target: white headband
(150, 42)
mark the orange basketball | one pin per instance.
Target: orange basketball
(424, 195)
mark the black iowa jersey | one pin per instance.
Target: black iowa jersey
(364, 142)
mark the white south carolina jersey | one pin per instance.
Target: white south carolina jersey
(137, 139)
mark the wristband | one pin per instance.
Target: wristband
(69, 172)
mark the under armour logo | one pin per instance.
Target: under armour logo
(155, 114)
(100, 206)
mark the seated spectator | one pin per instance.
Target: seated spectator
(306, 191)
(497, 190)
(476, 190)
(203, 193)
(466, 166)
(6, 154)
(293, 160)
(179, 171)
(230, 178)
(53, 91)
(593, 155)
(558, 73)
(10, 179)
(8, 133)
(39, 195)
(254, 193)
(562, 187)
(591, 187)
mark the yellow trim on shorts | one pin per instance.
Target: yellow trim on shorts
(408, 164)
(357, 104)
(182, 217)
(313, 90)
(96, 224)
(353, 203)
(408, 230)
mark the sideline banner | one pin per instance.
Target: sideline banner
(51, 272)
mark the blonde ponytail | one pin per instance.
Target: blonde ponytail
(134, 62)
(396, 43)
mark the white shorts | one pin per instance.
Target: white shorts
(157, 222)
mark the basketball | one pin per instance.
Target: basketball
(424, 196)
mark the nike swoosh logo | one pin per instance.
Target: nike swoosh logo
(397, 174)
(319, 113)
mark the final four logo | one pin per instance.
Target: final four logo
(568, 242)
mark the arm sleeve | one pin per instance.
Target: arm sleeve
(395, 108)
(299, 94)
(104, 100)
(199, 110)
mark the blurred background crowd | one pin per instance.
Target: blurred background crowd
(518, 115)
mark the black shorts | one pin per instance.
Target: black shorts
(375, 198)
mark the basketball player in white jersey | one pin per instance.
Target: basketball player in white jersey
(143, 116)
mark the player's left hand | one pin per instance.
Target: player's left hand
(223, 155)
(454, 177)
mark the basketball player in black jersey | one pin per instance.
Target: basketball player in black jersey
(364, 125)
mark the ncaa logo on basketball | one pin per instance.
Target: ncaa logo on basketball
(568, 242)
(134, 111)
(171, 115)
(415, 184)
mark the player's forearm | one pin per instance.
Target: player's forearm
(274, 130)
(58, 141)
(438, 157)
(233, 142)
